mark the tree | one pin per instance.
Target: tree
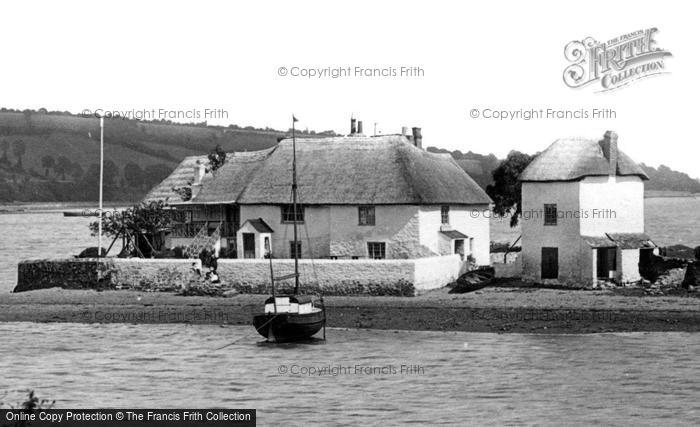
(133, 175)
(110, 173)
(5, 145)
(76, 171)
(18, 149)
(28, 118)
(63, 165)
(145, 219)
(506, 190)
(217, 158)
(47, 162)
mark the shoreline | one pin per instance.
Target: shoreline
(500, 310)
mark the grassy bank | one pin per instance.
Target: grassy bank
(488, 310)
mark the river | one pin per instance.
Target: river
(357, 378)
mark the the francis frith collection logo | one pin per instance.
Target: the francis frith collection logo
(615, 63)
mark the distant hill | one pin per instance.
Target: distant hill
(54, 156)
(481, 166)
(664, 178)
(478, 166)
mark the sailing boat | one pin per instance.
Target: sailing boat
(289, 318)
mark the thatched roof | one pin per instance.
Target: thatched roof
(338, 170)
(575, 158)
(225, 184)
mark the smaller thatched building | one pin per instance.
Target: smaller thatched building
(583, 214)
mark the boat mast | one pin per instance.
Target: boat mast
(268, 248)
(294, 205)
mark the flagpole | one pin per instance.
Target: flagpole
(102, 155)
(294, 205)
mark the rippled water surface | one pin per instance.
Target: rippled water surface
(457, 378)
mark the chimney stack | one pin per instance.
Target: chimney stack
(353, 129)
(417, 137)
(359, 127)
(404, 130)
(609, 146)
(199, 171)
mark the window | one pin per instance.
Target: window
(445, 214)
(365, 215)
(182, 215)
(550, 263)
(294, 249)
(550, 214)
(288, 214)
(376, 250)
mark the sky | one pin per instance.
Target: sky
(489, 56)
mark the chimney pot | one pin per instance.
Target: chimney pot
(353, 129)
(609, 146)
(359, 127)
(404, 130)
(417, 137)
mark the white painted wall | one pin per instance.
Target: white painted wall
(565, 235)
(469, 220)
(436, 272)
(623, 195)
(409, 231)
(313, 234)
(630, 265)
(592, 207)
(396, 225)
(424, 273)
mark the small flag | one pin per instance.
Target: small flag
(294, 118)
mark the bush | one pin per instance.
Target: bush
(229, 252)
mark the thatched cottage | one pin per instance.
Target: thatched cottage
(380, 197)
(583, 214)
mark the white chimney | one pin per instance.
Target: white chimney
(199, 171)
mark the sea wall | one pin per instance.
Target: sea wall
(330, 277)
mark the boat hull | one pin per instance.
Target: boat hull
(288, 327)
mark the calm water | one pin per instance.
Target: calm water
(668, 220)
(36, 235)
(635, 378)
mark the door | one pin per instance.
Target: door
(550, 263)
(248, 245)
(231, 213)
(606, 262)
(459, 248)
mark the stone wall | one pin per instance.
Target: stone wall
(331, 277)
(511, 269)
